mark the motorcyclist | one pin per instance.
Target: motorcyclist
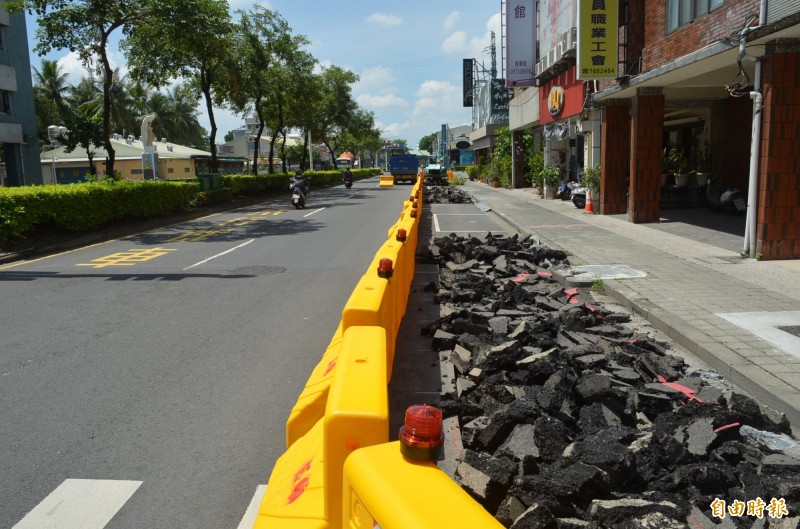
(298, 180)
(348, 176)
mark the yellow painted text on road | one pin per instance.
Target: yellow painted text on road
(129, 258)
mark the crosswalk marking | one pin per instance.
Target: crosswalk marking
(250, 514)
(80, 504)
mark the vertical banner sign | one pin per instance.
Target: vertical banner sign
(443, 147)
(597, 39)
(520, 42)
(468, 81)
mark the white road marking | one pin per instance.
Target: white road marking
(219, 254)
(80, 504)
(315, 211)
(249, 518)
(436, 222)
(766, 325)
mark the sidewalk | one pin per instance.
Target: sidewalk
(726, 310)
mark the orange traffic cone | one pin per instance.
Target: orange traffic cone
(589, 208)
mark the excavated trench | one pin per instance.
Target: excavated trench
(571, 418)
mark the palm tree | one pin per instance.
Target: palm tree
(51, 83)
(123, 106)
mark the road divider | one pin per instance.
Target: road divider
(339, 469)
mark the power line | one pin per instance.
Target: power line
(420, 63)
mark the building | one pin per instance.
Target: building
(17, 114)
(717, 84)
(172, 161)
(701, 88)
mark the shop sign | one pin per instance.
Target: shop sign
(520, 42)
(555, 101)
(597, 39)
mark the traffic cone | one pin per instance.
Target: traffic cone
(589, 208)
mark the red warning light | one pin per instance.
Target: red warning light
(385, 268)
(422, 436)
(401, 235)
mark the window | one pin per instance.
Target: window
(681, 12)
(5, 102)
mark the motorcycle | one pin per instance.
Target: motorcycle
(348, 181)
(578, 197)
(298, 197)
(730, 199)
(564, 191)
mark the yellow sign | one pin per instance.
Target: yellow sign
(555, 101)
(598, 41)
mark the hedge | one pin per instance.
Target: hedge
(83, 206)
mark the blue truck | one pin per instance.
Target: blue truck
(404, 168)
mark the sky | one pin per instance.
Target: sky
(407, 54)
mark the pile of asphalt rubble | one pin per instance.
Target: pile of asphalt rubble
(445, 195)
(570, 419)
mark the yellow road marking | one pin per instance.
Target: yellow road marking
(129, 258)
(20, 263)
(199, 235)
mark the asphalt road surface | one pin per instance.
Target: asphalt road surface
(153, 375)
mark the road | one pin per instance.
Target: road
(153, 374)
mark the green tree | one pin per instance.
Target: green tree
(426, 142)
(336, 107)
(265, 73)
(86, 132)
(51, 83)
(188, 39)
(84, 27)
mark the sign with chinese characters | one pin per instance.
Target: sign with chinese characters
(520, 42)
(597, 39)
(468, 82)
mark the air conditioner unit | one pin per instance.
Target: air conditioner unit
(553, 57)
(561, 49)
(572, 39)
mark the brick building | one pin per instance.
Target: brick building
(693, 79)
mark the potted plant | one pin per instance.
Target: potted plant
(681, 169)
(551, 175)
(667, 163)
(703, 165)
(591, 177)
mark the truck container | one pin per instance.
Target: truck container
(404, 168)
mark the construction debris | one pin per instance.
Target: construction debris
(569, 418)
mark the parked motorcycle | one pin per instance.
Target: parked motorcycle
(578, 197)
(729, 199)
(565, 190)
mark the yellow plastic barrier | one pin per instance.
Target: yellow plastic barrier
(381, 488)
(386, 181)
(372, 304)
(305, 488)
(310, 406)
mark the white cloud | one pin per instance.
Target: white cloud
(385, 19)
(455, 43)
(371, 102)
(451, 20)
(437, 99)
(72, 65)
(374, 79)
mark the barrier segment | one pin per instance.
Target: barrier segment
(310, 405)
(372, 305)
(386, 181)
(358, 408)
(382, 488)
(305, 487)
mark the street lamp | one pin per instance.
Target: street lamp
(53, 133)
